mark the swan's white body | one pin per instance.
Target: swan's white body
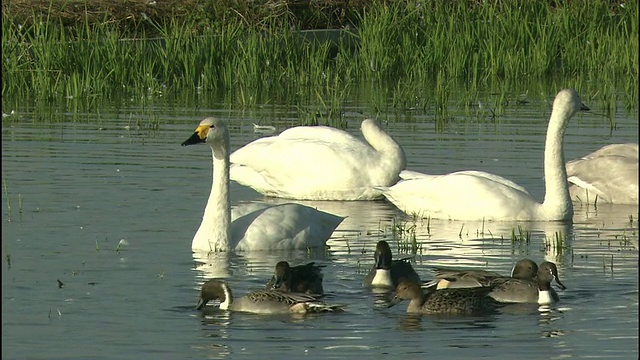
(610, 173)
(477, 195)
(278, 227)
(320, 163)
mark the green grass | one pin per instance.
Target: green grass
(407, 55)
(520, 235)
(7, 257)
(6, 195)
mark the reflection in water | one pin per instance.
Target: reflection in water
(474, 244)
(257, 264)
(465, 243)
(211, 265)
(135, 188)
(381, 297)
(410, 322)
(520, 309)
(608, 221)
(213, 351)
(548, 316)
(216, 324)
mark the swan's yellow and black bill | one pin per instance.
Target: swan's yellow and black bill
(199, 136)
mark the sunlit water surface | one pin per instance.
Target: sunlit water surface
(98, 218)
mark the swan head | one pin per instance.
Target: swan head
(214, 132)
(567, 102)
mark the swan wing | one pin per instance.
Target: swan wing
(411, 174)
(325, 133)
(246, 208)
(613, 177)
(312, 168)
(284, 226)
(629, 150)
(464, 195)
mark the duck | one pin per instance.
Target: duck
(607, 175)
(481, 196)
(537, 290)
(300, 279)
(387, 273)
(263, 301)
(526, 269)
(458, 301)
(287, 226)
(320, 163)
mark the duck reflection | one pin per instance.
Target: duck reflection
(257, 264)
(410, 322)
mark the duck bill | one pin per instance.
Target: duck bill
(194, 139)
(560, 284)
(394, 301)
(277, 282)
(201, 304)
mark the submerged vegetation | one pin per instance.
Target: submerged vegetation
(409, 53)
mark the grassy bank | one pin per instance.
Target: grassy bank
(255, 53)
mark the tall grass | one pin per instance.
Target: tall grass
(409, 54)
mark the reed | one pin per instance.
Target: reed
(6, 196)
(7, 258)
(520, 236)
(408, 53)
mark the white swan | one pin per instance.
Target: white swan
(477, 195)
(610, 173)
(278, 227)
(320, 163)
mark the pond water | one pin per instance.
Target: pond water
(98, 218)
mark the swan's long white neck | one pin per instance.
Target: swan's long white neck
(557, 201)
(214, 232)
(392, 155)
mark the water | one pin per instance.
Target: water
(109, 210)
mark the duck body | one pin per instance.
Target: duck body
(481, 196)
(457, 302)
(320, 163)
(299, 279)
(262, 301)
(386, 272)
(453, 278)
(277, 227)
(607, 175)
(536, 290)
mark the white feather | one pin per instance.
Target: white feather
(610, 173)
(477, 195)
(320, 163)
(545, 298)
(276, 227)
(382, 278)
